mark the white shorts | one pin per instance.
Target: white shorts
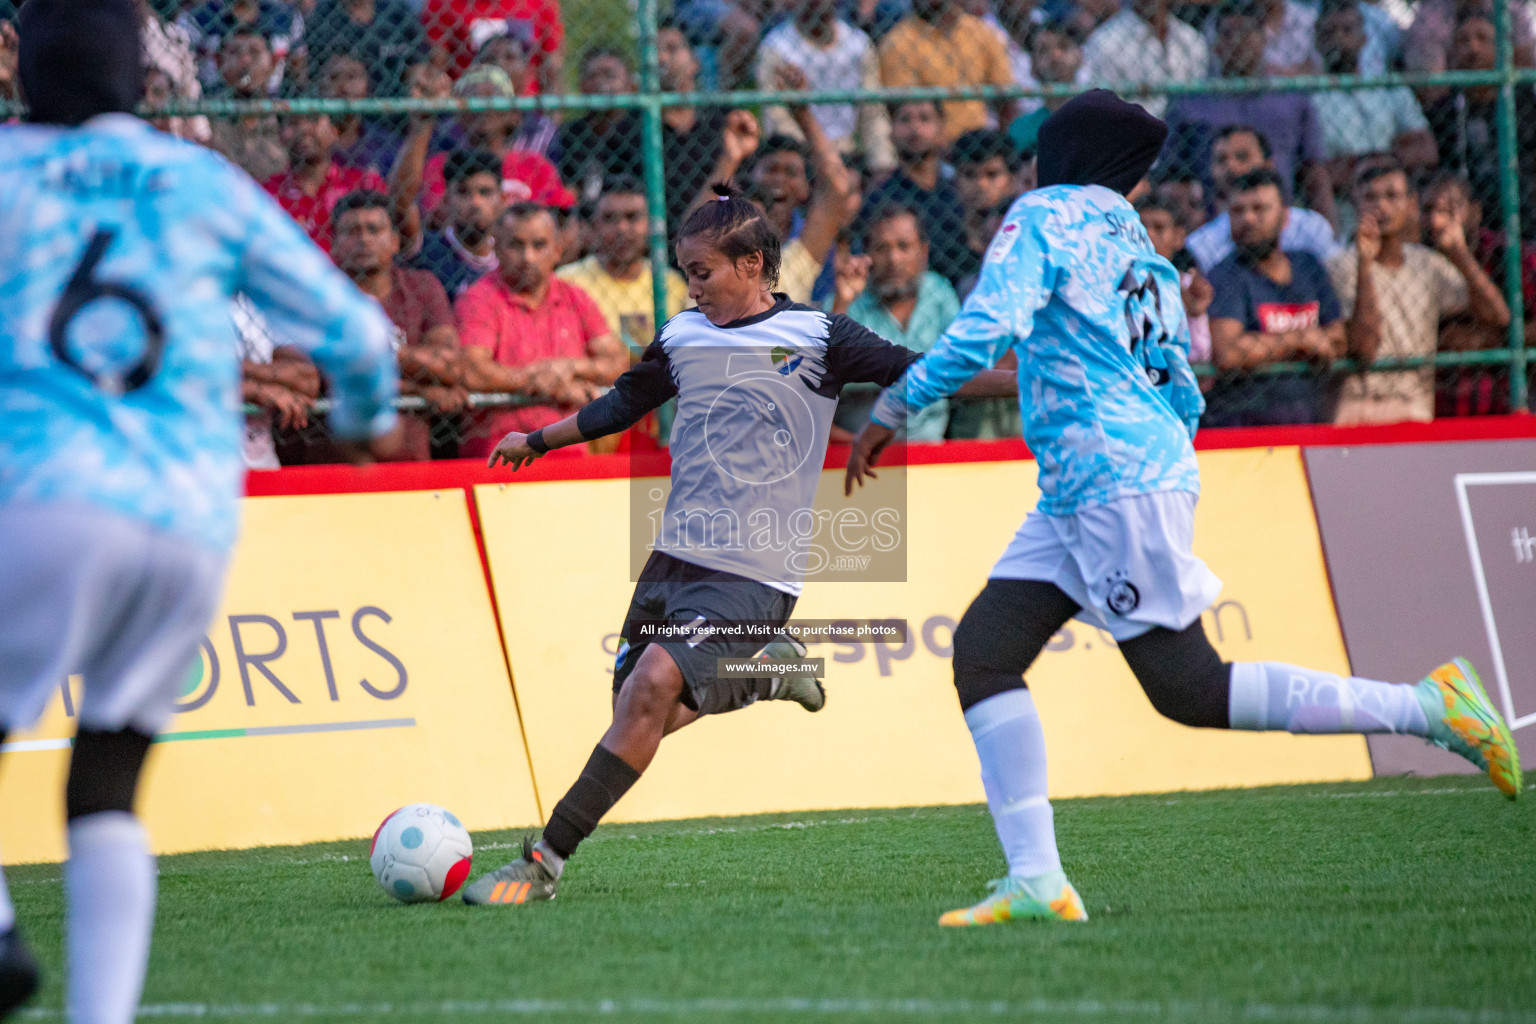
(83, 590)
(1129, 563)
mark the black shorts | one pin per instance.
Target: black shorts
(672, 590)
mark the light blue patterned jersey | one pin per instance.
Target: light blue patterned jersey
(1073, 286)
(120, 251)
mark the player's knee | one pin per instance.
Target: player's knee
(1182, 675)
(650, 692)
(104, 771)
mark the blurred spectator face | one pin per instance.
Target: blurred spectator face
(931, 10)
(1340, 37)
(158, 91)
(605, 75)
(985, 184)
(1453, 200)
(1389, 200)
(528, 249)
(1055, 57)
(364, 242)
(426, 81)
(898, 258)
(785, 177)
(1234, 156)
(309, 139)
(1239, 45)
(1474, 46)
(1167, 237)
(474, 203)
(508, 53)
(1027, 177)
(1257, 217)
(1187, 199)
(1093, 13)
(622, 222)
(344, 78)
(245, 64)
(568, 236)
(678, 65)
(814, 12)
(487, 124)
(917, 130)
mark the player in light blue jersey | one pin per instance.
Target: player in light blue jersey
(120, 471)
(1072, 285)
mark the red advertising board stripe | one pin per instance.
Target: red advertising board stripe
(466, 473)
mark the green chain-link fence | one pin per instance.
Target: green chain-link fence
(504, 176)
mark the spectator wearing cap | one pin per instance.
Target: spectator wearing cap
(920, 181)
(1145, 44)
(463, 251)
(384, 34)
(254, 142)
(360, 141)
(426, 338)
(1415, 289)
(618, 278)
(834, 56)
(509, 52)
(168, 49)
(314, 182)
(207, 24)
(941, 45)
(525, 177)
(1238, 150)
(1056, 58)
(1358, 122)
(891, 291)
(458, 28)
(1272, 306)
(1287, 120)
(986, 177)
(525, 331)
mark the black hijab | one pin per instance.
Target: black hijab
(79, 58)
(1097, 138)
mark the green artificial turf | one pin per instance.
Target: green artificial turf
(1395, 900)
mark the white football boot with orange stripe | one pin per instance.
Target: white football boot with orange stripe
(1048, 897)
(526, 880)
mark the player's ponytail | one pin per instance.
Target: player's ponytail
(736, 225)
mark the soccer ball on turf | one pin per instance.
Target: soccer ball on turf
(420, 853)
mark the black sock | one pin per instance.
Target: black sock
(604, 780)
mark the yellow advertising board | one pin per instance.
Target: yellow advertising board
(353, 668)
(892, 733)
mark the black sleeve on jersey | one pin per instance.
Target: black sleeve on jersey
(641, 388)
(856, 353)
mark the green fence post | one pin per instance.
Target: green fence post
(1509, 194)
(650, 151)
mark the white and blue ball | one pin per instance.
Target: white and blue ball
(421, 854)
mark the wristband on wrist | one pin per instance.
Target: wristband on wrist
(536, 441)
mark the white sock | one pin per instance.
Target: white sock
(7, 912)
(1011, 747)
(1269, 695)
(109, 884)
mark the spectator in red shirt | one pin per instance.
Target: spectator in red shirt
(314, 181)
(460, 27)
(426, 337)
(527, 332)
(525, 176)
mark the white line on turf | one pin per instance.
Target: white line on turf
(1050, 1009)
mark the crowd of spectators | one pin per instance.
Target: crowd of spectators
(512, 248)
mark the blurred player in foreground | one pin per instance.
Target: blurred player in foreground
(1073, 285)
(120, 467)
(756, 378)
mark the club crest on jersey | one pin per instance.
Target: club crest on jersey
(1123, 597)
(786, 360)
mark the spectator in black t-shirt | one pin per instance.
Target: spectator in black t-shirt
(1465, 126)
(603, 143)
(361, 142)
(986, 177)
(917, 131)
(384, 34)
(1269, 307)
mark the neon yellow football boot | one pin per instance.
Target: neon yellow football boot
(1464, 721)
(1014, 899)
